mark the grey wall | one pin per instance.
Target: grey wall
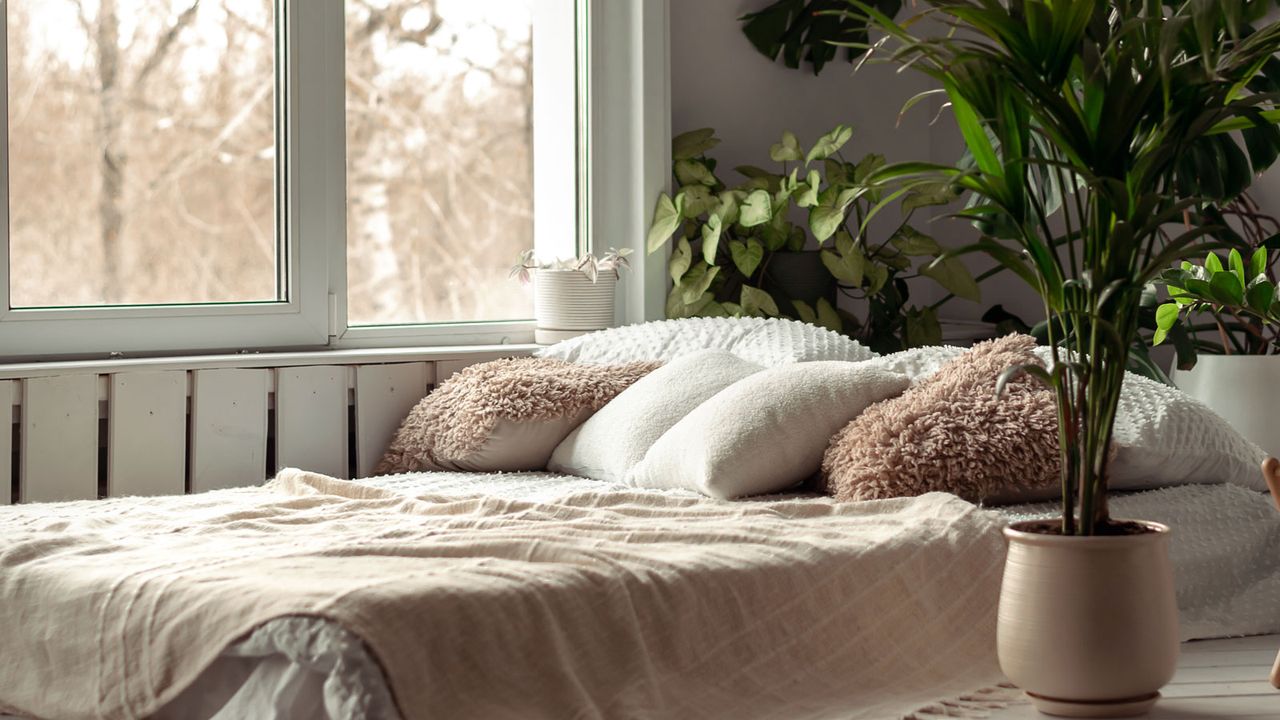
(720, 81)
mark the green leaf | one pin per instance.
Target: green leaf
(1212, 263)
(788, 150)
(913, 242)
(666, 219)
(711, 239)
(1261, 297)
(757, 209)
(1258, 263)
(1167, 315)
(746, 256)
(951, 273)
(693, 143)
(845, 268)
(681, 259)
(1236, 262)
(809, 196)
(728, 210)
(867, 165)
(837, 172)
(693, 172)
(921, 327)
(1227, 289)
(804, 312)
(694, 284)
(698, 200)
(928, 196)
(829, 144)
(733, 309)
(756, 301)
(828, 215)
(828, 317)
(678, 308)
(877, 276)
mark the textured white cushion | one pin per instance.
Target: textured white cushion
(1165, 437)
(764, 341)
(606, 446)
(765, 432)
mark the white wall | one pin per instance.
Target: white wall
(720, 81)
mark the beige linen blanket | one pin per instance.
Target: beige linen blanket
(600, 605)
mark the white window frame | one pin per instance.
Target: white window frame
(626, 88)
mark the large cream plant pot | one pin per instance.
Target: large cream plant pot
(1088, 626)
(1243, 389)
(566, 303)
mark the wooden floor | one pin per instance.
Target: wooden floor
(1215, 679)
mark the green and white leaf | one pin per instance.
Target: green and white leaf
(952, 274)
(757, 209)
(788, 150)
(746, 256)
(804, 312)
(827, 316)
(681, 259)
(694, 172)
(756, 301)
(666, 219)
(829, 144)
(915, 243)
(711, 238)
(698, 200)
(693, 143)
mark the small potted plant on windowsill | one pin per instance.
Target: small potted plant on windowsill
(572, 297)
(1238, 375)
(1078, 116)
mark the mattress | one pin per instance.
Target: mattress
(1225, 550)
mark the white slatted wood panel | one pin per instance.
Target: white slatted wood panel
(60, 438)
(311, 419)
(6, 441)
(228, 428)
(384, 396)
(446, 369)
(147, 433)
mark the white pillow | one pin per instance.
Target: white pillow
(764, 433)
(1165, 437)
(616, 438)
(764, 341)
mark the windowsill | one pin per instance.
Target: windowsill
(361, 356)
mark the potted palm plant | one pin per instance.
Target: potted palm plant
(1076, 115)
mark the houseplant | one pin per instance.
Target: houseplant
(785, 241)
(572, 296)
(801, 31)
(1077, 115)
(1239, 374)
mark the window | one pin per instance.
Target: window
(201, 175)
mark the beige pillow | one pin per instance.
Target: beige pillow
(613, 440)
(764, 433)
(504, 415)
(951, 433)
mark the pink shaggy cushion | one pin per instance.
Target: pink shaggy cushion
(952, 434)
(505, 415)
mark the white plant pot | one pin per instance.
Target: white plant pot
(1243, 389)
(567, 303)
(1088, 626)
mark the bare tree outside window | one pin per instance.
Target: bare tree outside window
(439, 158)
(142, 154)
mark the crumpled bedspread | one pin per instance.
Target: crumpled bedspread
(594, 603)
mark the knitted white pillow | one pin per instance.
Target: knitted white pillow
(764, 341)
(613, 440)
(764, 433)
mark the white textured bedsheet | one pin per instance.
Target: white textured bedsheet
(1225, 550)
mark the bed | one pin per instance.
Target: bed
(540, 595)
(843, 648)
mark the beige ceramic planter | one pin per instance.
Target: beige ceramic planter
(566, 303)
(1088, 626)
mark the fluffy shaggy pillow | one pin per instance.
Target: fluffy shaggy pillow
(763, 341)
(951, 433)
(504, 415)
(764, 433)
(613, 440)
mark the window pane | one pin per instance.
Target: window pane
(439, 159)
(141, 152)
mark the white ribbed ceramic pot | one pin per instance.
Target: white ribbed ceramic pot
(568, 300)
(1243, 389)
(1088, 626)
